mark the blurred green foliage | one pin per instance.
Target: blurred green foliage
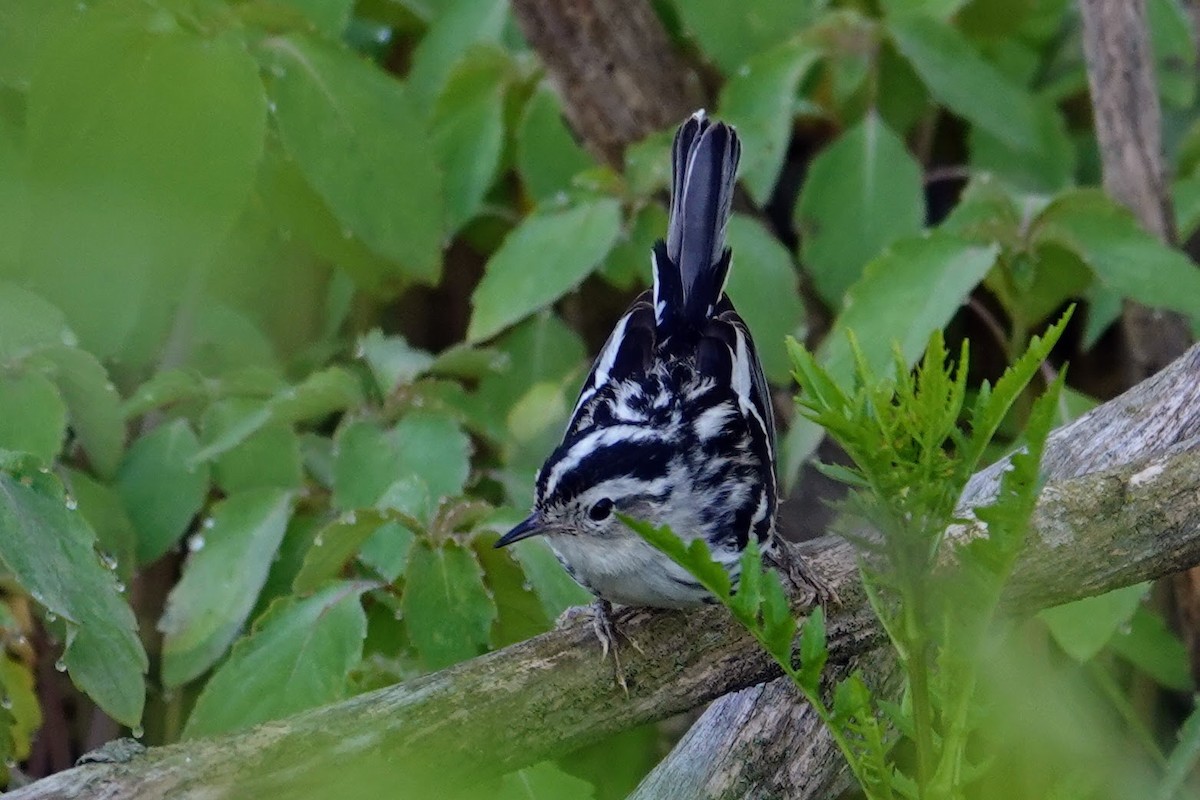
(289, 315)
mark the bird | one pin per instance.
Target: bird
(673, 424)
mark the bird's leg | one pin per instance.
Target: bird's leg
(607, 630)
(797, 570)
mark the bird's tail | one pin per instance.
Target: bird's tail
(692, 264)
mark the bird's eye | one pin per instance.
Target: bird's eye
(601, 509)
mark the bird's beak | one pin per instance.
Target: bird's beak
(530, 526)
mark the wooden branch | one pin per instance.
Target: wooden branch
(553, 693)
(1153, 420)
(616, 71)
(1120, 70)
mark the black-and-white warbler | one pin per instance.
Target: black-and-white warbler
(674, 422)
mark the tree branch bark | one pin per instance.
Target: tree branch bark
(616, 71)
(1128, 120)
(1138, 519)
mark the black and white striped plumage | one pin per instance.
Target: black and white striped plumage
(673, 424)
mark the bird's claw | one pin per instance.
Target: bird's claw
(798, 571)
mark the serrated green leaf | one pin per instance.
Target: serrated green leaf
(161, 487)
(33, 417)
(1119, 252)
(759, 99)
(1084, 627)
(520, 614)
(778, 624)
(298, 656)
(136, 213)
(356, 138)
(221, 580)
(93, 405)
(447, 609)
(467, 129)
(103, 653)
(547, 155)
(813, 650)
(862, 193)
(763, 285)
(542, 259)
(959, 77)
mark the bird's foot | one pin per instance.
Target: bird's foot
(608, 630)
(797, 570)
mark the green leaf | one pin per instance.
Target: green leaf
(862, 193)
(1153, 648)
(759, 99)
(462, 24)
(1084, 627)
(103, 652)
(334, 546)
(29, 323)
(138, 213)
(1184, 756)
(520, 614)
(911, 290)
(1174, 51)
(161, 487)
(467, 128)
(553, 586)
(298, 656)
(542, 259)
(24, 28)
(354, 135)
(393, 361)
(386, 550)
(329, 17)
(627, 264)
(1185, 194)
(93, 405)
(1047, 167)
(544, 781)
(161, 390)
(270, 456)
(33, 417)
(1119, 252)
(101, 506)
(21, 701)
(763, 285)
(322, 393)
(813, 650)
(959, 77)
(447, 609)
(369, 459)
(547, 155)
(221, 580)
(733, 33)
